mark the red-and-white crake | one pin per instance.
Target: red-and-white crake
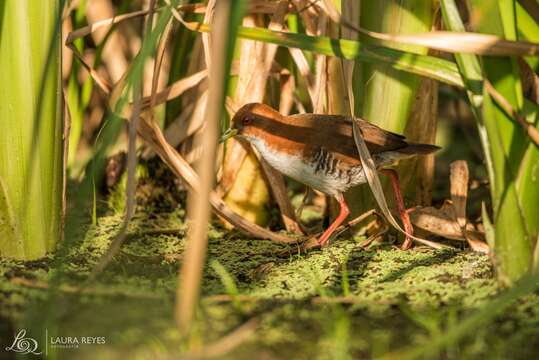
(319, 151)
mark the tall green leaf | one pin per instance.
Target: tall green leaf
(508, 151)
(31, 146)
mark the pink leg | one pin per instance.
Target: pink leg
(343, 214)
(392, 174)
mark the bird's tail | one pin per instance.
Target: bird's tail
(418, 149)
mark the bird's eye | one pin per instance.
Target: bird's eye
(247, 121)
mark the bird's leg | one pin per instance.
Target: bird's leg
(392, 174)
(343, 214)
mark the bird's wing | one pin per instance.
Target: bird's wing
(334, 132)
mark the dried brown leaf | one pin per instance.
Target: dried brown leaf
(190, 121)
(447, 41)
(286, 99)
(440, 221)
(450, 220)
(116, 51)
(463, 42)
(459, 190)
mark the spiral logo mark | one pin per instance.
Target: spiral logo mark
(23, 345)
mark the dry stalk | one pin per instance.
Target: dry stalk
(309, 12)
(228, 342)
(528, 128)
(158, 63)
(417, 174)
(459, 195)
(198, 209)
(130, 200)
(250, 88)
(67, 56)
(319, 105)
(350, 13)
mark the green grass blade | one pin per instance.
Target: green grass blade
(512, 245)
(527, 181)
(424, 65)
(528, 30)
(515, 203)
(228, 282)
(468, 64)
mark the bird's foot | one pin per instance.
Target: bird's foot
(310, 244)
(405, 217)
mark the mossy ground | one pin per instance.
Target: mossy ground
(341, 302)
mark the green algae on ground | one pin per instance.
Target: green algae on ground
(393, 298)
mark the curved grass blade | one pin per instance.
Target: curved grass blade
(424, 65)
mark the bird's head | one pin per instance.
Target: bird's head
(251, 121)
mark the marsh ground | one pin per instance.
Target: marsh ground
(343, 301)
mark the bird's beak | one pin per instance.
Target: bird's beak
(228, 134)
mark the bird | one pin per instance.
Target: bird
(319, 151)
